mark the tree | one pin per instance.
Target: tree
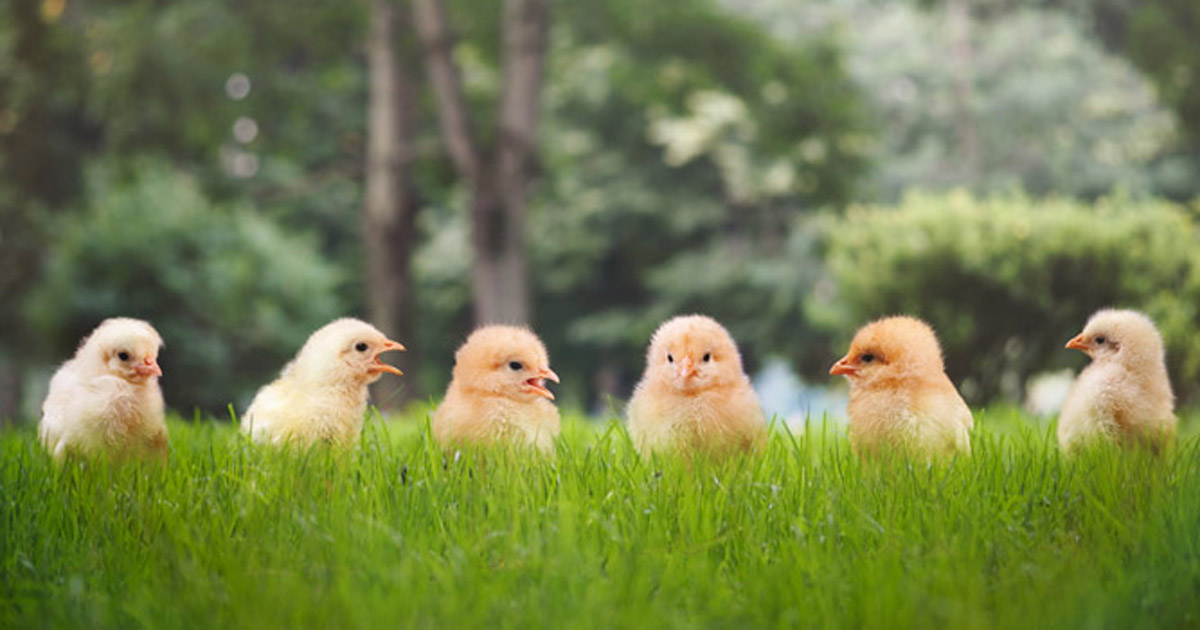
(391, 204)
(498, 177)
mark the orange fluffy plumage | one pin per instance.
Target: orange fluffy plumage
(694, 395)
(106, 401)
(1124, 395)
(900, 396)
(497, 393)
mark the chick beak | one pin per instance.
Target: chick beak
(536, 383)
(843, 368)
(687, 370)
(147, 368)
(379, 366)
(1078, 343)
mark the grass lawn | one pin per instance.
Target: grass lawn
(394, 534)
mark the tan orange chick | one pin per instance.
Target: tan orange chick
(694, 395)
(498, 394)
(900, 396)
(106, 400)
(1124, 395)
(321, 396)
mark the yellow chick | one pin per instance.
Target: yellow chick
(1124, 394)
(106, 400)
(900, 396)
(694, 395)
(322, 394)
(497, 393)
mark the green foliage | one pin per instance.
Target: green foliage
(1006, 281)
(397, 535)
(232, 295)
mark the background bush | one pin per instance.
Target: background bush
(231, 294)
(1007, 281)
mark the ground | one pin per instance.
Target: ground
(394, 533)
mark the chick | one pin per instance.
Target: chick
(694, 396)
(106, 400)
(900, 396)
(322, 394)
(497, 393)
(1124, 394)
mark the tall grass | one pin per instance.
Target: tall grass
(395, 533)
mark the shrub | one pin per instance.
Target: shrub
(1006, 281)
(231, 294)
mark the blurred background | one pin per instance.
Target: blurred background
(239, 172)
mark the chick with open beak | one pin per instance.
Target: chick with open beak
(498, 392)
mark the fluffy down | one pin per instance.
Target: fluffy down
(900, 396)
(321, 396)
(497, 393)
(694, 395)
(1124, 395)
(106, 400)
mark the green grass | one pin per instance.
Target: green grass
(392, 534)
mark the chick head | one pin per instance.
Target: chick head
(506, 361)
(124, 347)
(691, 353)
(891, 349)
(346, 351)
(1119, 335)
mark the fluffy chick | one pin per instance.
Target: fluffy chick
(900, 396)
(694, 395)
(1124, 394)
(497, 393)
(322, 394)
(106, 400)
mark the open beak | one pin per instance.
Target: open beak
(1078, 343)
(379, 366)
(537, 385)
(843, 368)
(147, 368)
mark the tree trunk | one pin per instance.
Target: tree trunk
(499, 188)
(390, 209)
(958, 18)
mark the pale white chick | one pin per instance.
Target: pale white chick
(1124, 395)
(321, 396)
(106, 400)
(694, 395)
(900, 397)
(497, 393)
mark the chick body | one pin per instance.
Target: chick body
(497, 393)
(900, 396)
(1124, 395)
(694, 395)
(107, 400)
(321, 396)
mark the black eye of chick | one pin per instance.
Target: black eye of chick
(867, 358)
(122, 355)
(1100, 340)
(361, 346)
(707, 357)
(515, 365)
(670, 359)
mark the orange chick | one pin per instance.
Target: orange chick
(900, 396)
(106, 400)
(321, 395)
(1124, 394)
(694, 395)
(497, 393)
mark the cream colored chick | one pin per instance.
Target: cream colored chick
(322, 394)
(900, 396)
(497, 393)
(106, 401)
(1124, 395)
(694, 395)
